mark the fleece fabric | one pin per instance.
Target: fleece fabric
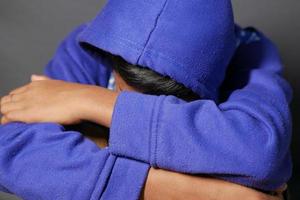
(44, 161)
(189, 41)
(244, 138)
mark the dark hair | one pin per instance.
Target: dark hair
(148, 81)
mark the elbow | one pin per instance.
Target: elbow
(272, 163)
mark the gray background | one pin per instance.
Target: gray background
(30, 30)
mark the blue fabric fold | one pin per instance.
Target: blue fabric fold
(242, 137)
(190, 41)
(44, 161)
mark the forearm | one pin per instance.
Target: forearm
(67, 103)
(235, 138)
(98, 105)
(162, 184)
(167, 185)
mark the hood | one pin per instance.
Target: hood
(191, 41)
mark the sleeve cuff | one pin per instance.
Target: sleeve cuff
(133, 129)
(126, 180)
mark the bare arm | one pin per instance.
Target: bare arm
(67, 103)
(162, 184)
(63, 98)
(174, 186)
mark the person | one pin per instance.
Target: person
(205, 132)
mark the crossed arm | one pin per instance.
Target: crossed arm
(106, 106)
(64, 98)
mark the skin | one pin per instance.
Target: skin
(72, 103)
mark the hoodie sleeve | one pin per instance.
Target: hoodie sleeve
(244, 139)
(43, 161)
(75, 63)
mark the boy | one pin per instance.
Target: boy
(231, 140)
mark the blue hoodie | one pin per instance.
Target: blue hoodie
(192, 42)
(242, 137)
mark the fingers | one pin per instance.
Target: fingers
(25, 88)
(16, 116)
(10, 106)
(39, 78)
(11, 98)
(19, 90)
(5, 99)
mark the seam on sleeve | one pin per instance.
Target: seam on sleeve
(155, 119)
(150, 157)
(153, 29)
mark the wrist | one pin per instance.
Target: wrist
(97, 105)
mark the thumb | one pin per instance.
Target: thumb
(39, 78)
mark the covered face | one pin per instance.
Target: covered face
(190, 41)
(142, 79)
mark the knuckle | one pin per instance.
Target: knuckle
(12, 92)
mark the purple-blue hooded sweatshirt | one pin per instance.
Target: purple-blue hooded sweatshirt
(239, 132)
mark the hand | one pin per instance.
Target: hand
(167, 185)
(46, 100)
(40, 101)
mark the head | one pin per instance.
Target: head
(142, 79)
(191, 42)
